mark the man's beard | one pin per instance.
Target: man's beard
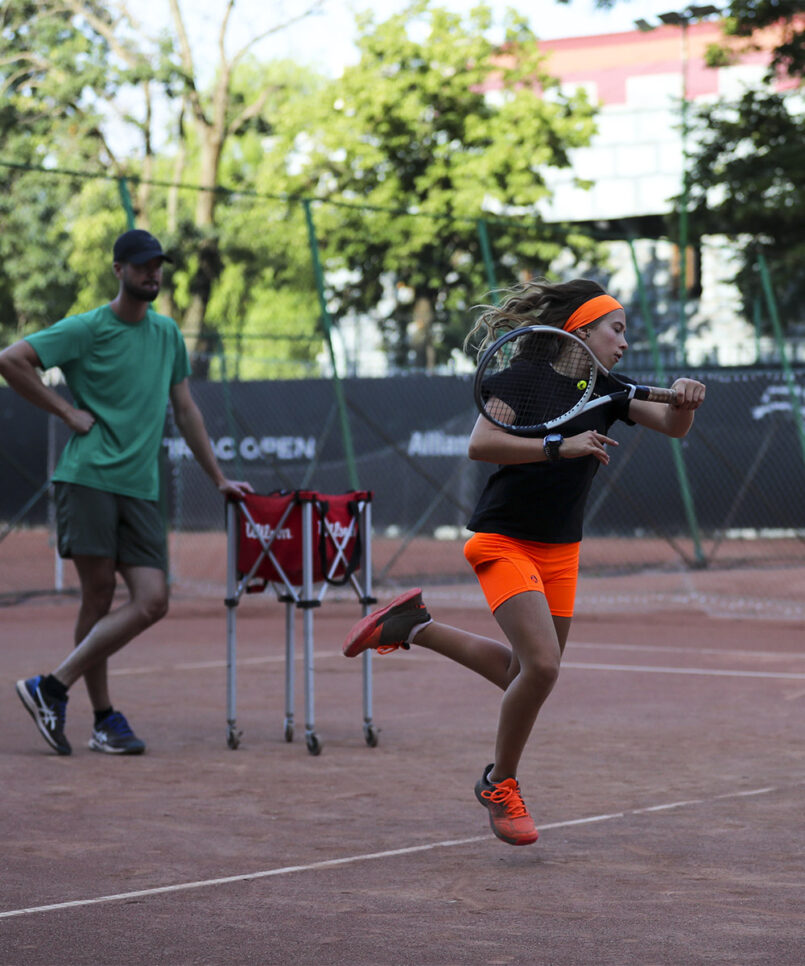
(141, 293)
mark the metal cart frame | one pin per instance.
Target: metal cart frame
(304, 597)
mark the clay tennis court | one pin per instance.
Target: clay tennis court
(665, 774)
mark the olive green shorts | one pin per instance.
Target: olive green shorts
(95, 523)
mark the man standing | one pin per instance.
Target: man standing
(122, 362)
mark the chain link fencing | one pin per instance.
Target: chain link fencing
(730, 496)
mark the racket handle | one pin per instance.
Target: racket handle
(654, 394)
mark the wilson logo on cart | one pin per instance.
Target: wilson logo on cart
(265, 532)
(336, 530)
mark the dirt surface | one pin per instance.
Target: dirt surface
(665, 774)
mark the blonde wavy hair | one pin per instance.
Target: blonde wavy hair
(535, 302)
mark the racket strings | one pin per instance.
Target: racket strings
(536, 378)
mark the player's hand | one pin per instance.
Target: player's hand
(689, 394)
(591, 443)
(79, 421)
(234, 489)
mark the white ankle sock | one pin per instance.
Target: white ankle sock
(416, 629)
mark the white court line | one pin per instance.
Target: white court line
(213, 665)
(575, 665)
(685, 649)
(709, 672)
(370, 856)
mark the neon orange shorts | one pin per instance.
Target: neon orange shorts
(506, 566)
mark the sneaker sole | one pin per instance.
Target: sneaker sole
(353, 646)
(504, 838)
(107, 750)
(33, 710)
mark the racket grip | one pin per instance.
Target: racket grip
(654, 394)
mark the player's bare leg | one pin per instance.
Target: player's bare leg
(148, 603)
(527, 623)
(98, 581)
(492, 660)
(526, 671)
(484, 655)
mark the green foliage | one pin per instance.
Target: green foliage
(744, 17)
(435, 128)
(62, 77)
(410, 127)
(747, 183)
(36, 284)
(438, 121)
(50, 77)
(266, 291)
(746, 179)
(95, 220)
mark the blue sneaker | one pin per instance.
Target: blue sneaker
(47, 712)
(114, 736)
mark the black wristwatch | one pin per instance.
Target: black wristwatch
(551, 444)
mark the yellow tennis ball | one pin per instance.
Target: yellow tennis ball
(581, 384)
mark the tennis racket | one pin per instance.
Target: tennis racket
(537, 377)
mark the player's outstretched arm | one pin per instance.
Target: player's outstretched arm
(674, 420)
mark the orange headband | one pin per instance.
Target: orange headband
(591, 310)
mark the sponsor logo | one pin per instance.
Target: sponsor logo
(227, 448)
(778, 399)
(337, 530)
(265, 532)
(437, 443)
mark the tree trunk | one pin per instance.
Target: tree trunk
(205, 337)
(422, 334)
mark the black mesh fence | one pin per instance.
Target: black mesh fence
(729, 494)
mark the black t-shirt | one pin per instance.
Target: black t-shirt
(545, 501)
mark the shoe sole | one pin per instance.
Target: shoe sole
(107, 750)
(33, 710)
(504, 838)
(353, 641)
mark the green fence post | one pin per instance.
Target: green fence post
(228, 407)
(757, 323)
(771, 304)
(125, 197)
(676, 446)
(489, 264)
(346, 433)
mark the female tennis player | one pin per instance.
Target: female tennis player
(527, 532)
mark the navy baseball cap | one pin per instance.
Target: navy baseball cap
(137, 247)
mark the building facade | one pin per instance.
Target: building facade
(642, 81)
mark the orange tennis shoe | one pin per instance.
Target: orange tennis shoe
(508, 815)
(388, 628)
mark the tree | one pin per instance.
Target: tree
(744, 18)
(83, 81)
(435, 128)
(47, 85)
(215, 118)
(746, 182)
(746, 177)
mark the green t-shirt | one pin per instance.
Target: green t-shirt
(122, 374)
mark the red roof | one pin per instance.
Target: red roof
(608, 60)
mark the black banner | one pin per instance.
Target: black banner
(743, 460)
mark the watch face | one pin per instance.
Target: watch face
(551, 444)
